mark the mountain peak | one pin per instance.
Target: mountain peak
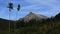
(32, 15)
(30, 12)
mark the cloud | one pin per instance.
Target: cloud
(45, 7)
(53, 5)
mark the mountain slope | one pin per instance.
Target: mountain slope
(34, 16)
(57, 17)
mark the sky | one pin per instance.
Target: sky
(48, 8)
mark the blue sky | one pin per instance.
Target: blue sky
(45, 7)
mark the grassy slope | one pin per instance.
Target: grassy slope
(44, 29)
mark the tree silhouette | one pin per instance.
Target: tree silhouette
(10, 6)
(18, 8)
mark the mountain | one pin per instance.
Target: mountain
(57, 17)
(32, 15)
(48, 26)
